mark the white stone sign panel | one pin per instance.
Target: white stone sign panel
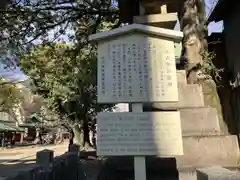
(137, 68)
(121, 107)
(139, 134)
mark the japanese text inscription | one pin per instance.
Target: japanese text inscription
(136, 68)
(156, 133)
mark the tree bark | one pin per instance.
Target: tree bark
(193, 25)
(71, 137)
(77, 139)
(194, 41)
(86, 137)
(81, 136)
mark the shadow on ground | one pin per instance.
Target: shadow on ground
(88, 154)
(122, 167)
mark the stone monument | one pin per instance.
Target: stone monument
(136, 64)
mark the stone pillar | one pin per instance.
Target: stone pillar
(73, 148)
(21, 138)
(44, 157)
(217, 173)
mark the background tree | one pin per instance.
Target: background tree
(66, 79)
(24, 22)
(10, 95)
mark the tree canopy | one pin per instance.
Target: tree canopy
(10, 95)
(64, 75)
(67, 81)
(24, 22)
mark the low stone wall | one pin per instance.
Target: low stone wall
(66, 166)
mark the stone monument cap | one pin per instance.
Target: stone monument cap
(151, 30)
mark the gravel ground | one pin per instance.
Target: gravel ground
(15, 159)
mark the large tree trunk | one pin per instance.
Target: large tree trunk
(81, 136)
(78, 136)
(193, 25)
(71, 137)
(86, 136)
(194, 40)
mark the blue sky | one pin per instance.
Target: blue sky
(213, 27)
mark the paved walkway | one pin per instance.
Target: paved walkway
(13, 160)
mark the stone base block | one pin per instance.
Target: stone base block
(191, 174)
(187, 174)
(200, 122)
(181, 77)
(119, 168)
(217, 173)
(190, 96)
(209, 151)
(167, 21)
(44, 157)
